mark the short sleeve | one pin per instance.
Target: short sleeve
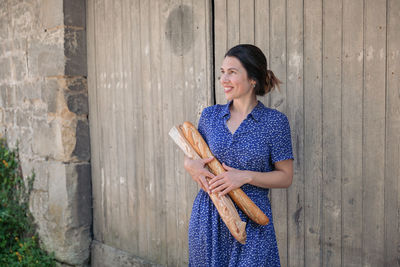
(281, 141)
(201, 127)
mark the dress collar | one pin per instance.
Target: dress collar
(255, 113)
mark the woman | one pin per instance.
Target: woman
(253, 142)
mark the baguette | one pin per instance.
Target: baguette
(238, 196)
(224, 204)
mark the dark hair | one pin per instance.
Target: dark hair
(255, 63)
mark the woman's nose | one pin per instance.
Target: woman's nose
(224, 77)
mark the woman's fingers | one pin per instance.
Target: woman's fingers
(206, 173)
(226, 167)
(208, 160)
(220, 188)
(204, 184)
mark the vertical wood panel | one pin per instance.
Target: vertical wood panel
(313, 130)
(91, 25)
(277, 63)
(332, 133)
(295, 113)
(374, 132)
(132, 232)
(392, 145)
(352, 112)
(341, 96)
(220, 43)
(246, 21)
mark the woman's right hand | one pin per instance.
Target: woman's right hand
(196, 168)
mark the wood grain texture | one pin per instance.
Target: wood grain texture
(295, 113)
(352, 132)
(313, 131)
(392, 140)
(332, 133)
(339, 61)
(374, 132)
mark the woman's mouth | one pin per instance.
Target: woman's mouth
(227, 89)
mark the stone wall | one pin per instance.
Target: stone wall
(44, 109)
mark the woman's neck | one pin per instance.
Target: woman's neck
(243, 106)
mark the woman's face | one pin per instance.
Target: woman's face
(234, 79)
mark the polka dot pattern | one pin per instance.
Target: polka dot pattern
(262, 139)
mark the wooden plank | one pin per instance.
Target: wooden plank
(105, 105)
(123, 114)
(131, 129)
(392, 141)
(313, 130)
(277, 63)
(157, 207)
(113, 164)
(170, 151)
(220, 43)
(233, 38)
(147, 181)
(246, 21)
(331, 133)
(352, 132)
(138, 134)
(93, 117)
(295, 113)
(374, 132)
(262, 34)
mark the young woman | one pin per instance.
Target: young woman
(254, 144)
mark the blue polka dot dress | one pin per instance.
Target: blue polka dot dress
(262, 139)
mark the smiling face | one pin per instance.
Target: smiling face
(234, 79)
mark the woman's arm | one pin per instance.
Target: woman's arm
(281, 177)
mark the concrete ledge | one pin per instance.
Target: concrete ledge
(106, 256)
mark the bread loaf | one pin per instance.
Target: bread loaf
(224, 204)
(238, 196)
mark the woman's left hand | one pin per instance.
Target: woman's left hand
(227, 181)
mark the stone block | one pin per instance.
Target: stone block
(19, 67)
(3, 95)
(104, 256)
(5, 69)
(67, 226)
(51, 13)
(78, 103)
(45, 59)
(75, 52)
(82, 147)
(74, 13)
(47, 140)
(24, 17)
(50, 90)
(26, 92)
(4, 24)
(23, 118)
(77, 84)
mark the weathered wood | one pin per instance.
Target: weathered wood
(246, 21)
(374, 132)
(340, 93)
(352, 132)
(313, 131)
(277, 63)
(295, 113)
(392, 141)
(331, 133)
(91, 24)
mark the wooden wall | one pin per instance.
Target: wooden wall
(151, 66)
(149, 69)
(340, 64)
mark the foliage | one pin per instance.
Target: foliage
(19, 245)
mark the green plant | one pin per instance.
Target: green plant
(19, 245)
